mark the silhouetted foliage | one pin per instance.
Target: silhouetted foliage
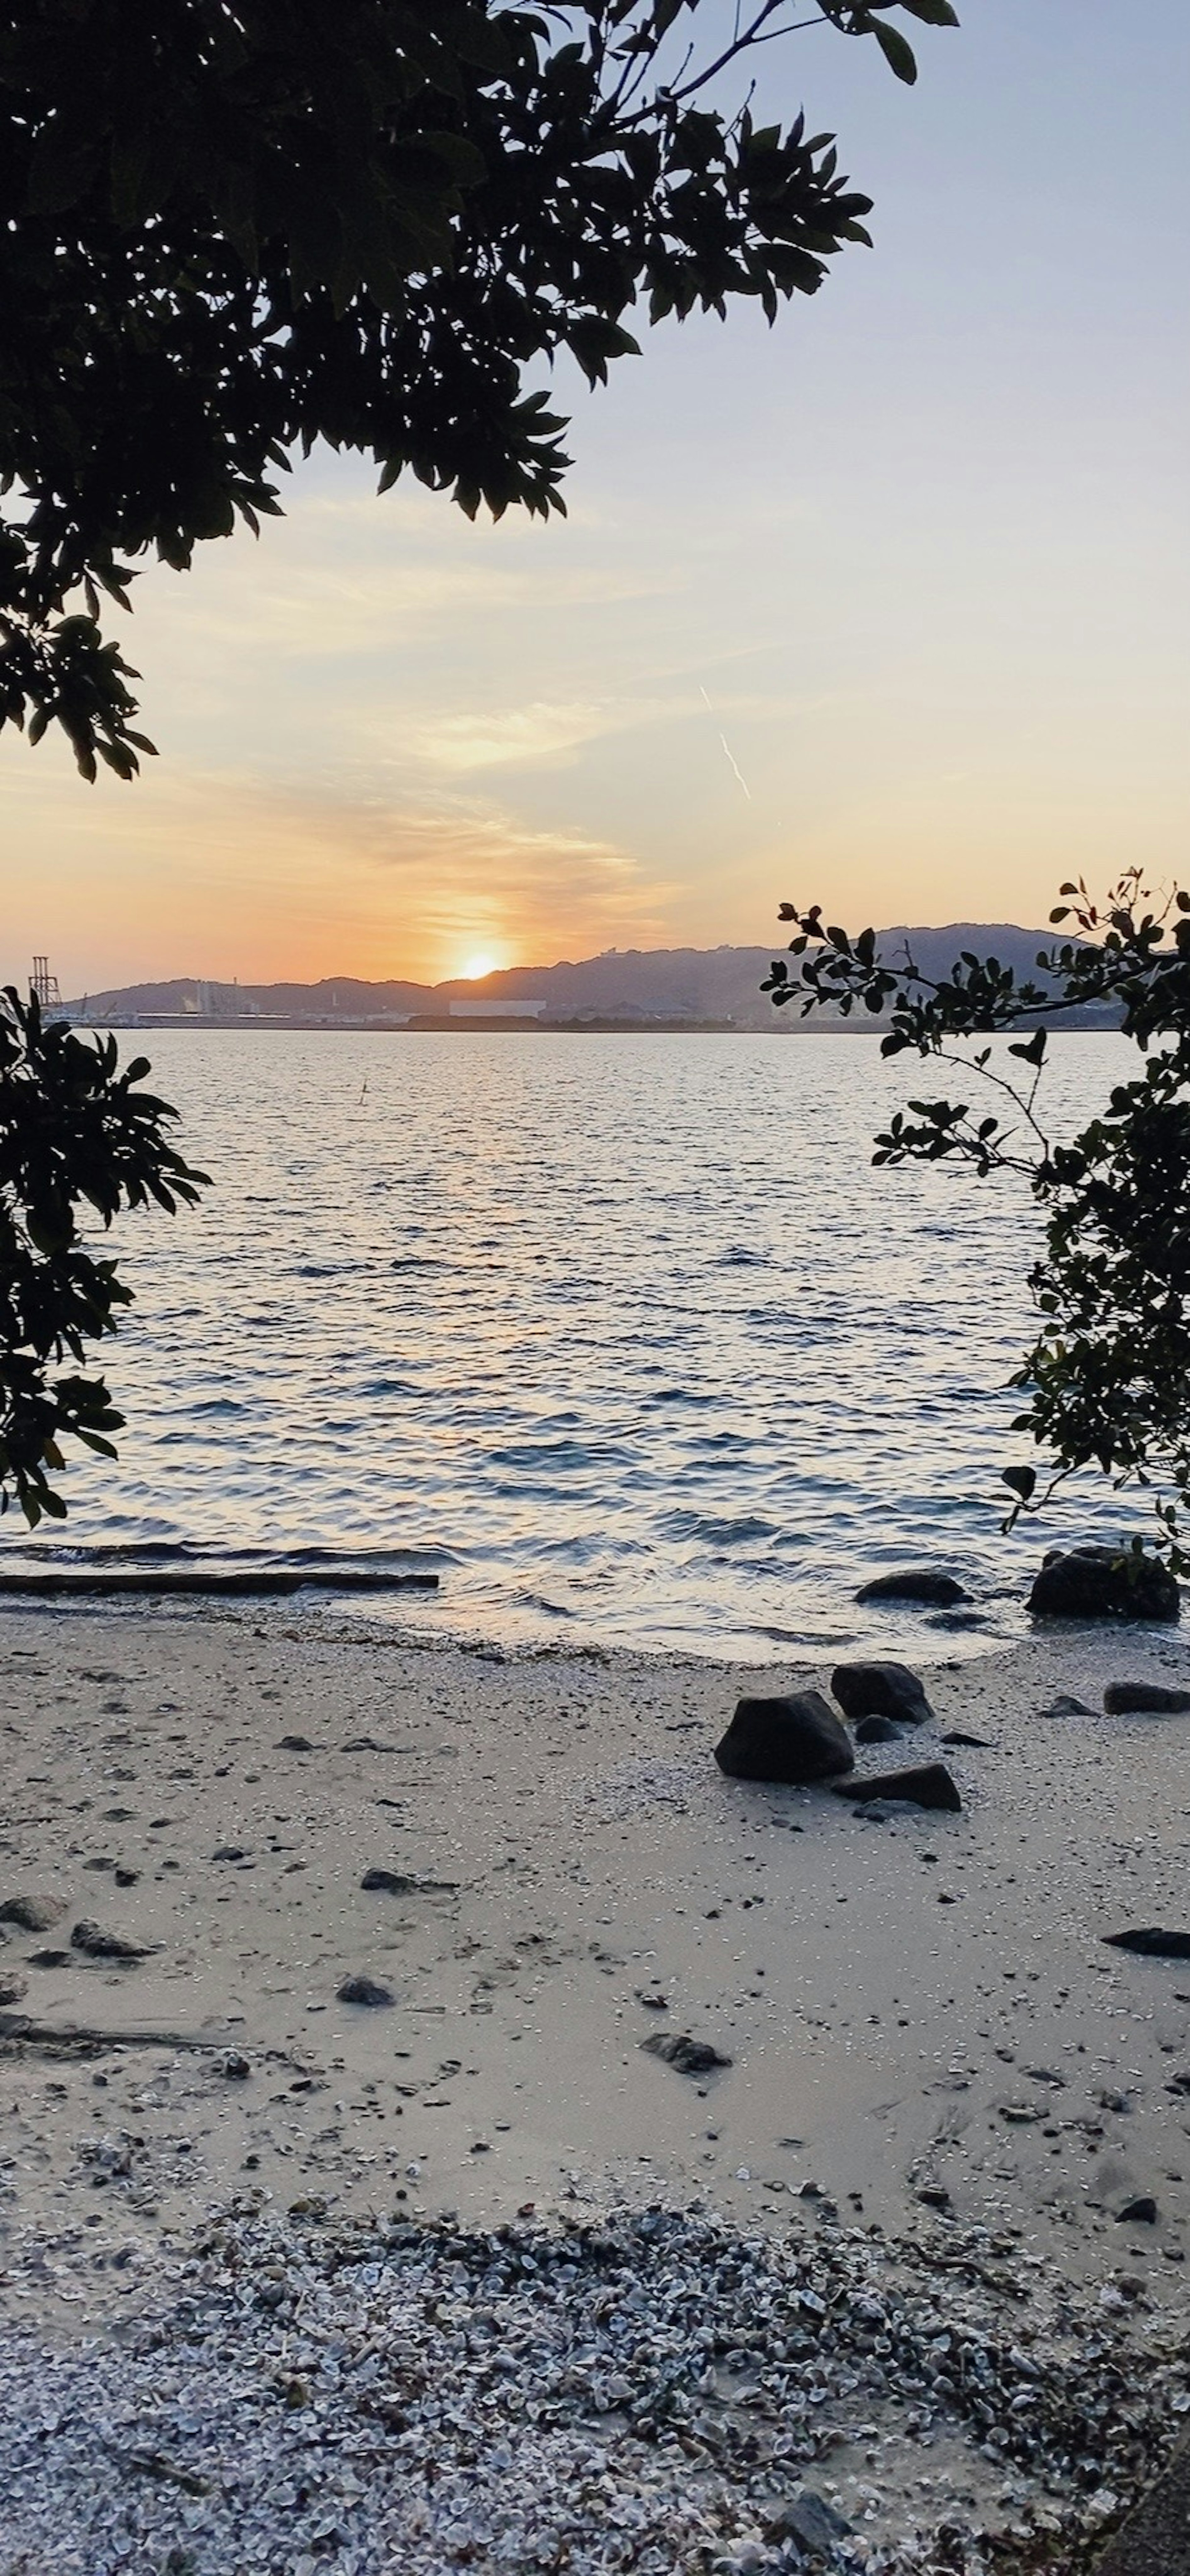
(1108, 1377)
(77, 1138)
(227, 233)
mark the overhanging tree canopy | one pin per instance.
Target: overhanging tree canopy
(231, 228)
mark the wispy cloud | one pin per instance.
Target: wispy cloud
(226, 875)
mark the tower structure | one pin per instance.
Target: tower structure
(43, 987)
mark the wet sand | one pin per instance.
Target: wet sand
(919, 2004)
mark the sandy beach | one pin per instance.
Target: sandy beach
(926, 2029)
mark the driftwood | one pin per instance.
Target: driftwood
(78, 2039)
(236, 1580)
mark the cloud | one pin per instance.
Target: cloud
(222, 874)
(516, 737)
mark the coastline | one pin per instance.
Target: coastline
(919, 2005)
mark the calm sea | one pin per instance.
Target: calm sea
(622, 1335)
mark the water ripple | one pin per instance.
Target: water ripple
(501, 1313)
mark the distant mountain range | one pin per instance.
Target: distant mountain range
(631, 988)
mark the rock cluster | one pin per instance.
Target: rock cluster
(798, 1741)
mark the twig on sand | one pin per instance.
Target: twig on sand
(78, 2039)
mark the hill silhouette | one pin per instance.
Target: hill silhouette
(624, 987)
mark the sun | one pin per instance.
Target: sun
(477, 967)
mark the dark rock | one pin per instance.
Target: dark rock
(95, 1943)
(881, 1690)
(877, 1730)
(1066, 1706)
(808, 2519)
(364, 1990)
(1143, 2209)
(365, 1744)
(1151, 1944)
(1103, 1583)
(234, 2065)
(928, 1786)
(229, 1851)
(33, 1913)
(1144, 1699)
(50, 1958)
(12, 1986)
(128, 1877)
(934, 2194)
(976, 1743)
(690, 2056)
(295, 1744)
(915, 1583)
(797, 1740)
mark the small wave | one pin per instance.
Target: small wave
(720, 1532)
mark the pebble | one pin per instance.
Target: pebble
(364, 1990)
(33, 1913)
(690, 2056)
(95, 1943)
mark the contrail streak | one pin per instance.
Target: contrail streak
(728, 752)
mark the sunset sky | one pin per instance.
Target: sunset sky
(886, 607)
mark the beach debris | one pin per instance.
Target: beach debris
(1144, 1699)
(929, 1583)
(295, 1744)
(78, 2040)
(423, 2395)
(364, 1990)
(95, 1943)
(1149, 1942)
(1143, 2209)
(32, 1913)
(1103, 1583)
(928, 1785)
(394, 1882)
(877, 1730)
(798, 1740)
(1065, 1705)
(235, 1580)
(690, 2056)
(881, 1690)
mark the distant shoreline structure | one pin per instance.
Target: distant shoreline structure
(1077, 1024)
(713, 991)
